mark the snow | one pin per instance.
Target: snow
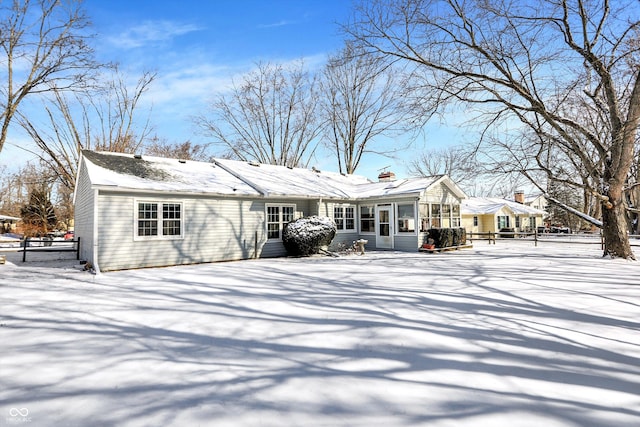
(576, 212)
(232, 177)
(172, 175)
(491, 205)
(498, 335)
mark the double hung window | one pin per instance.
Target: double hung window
(344, 217)
(277, 217)
(155, 220)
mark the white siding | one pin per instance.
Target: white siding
(214, 230)
(440, 194)
(84, 215)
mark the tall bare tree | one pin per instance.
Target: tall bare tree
(362, 100)
(44, 46)
(104, 117)
(181, 150)
(271, 116)
(530, 63)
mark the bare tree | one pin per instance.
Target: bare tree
(530, 63)
(270, 117)
(362, 100)
(184, 150)
(102, 118)
(456, 161)
(44, 46)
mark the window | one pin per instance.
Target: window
(367, 219)
(435, 216)
(446, 216)
(517, 221)
(344, 217)
(277, 217)
(475, 221)
(406, 218)
(159, 220)
(171, 222)
(503, 221)
(455, 216)
(424, 217)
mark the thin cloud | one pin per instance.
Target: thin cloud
(151, 32)
(282, 23)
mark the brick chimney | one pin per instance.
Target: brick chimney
(519, 197)
(386, 176)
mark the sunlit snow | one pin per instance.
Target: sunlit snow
(498, 335)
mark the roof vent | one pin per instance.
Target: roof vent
(253, 163)
(316, 170)
(137, 156)
(182, 161)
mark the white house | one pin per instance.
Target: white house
(136, 211)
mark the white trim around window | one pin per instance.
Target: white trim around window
(406, 218)
(158, 220)
(276, 217)
(367, 219)
(344, 215)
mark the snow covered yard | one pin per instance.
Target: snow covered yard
(504, 335)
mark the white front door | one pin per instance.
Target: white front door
(384, 227)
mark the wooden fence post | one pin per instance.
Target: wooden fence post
(24, 249)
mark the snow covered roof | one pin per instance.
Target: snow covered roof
(125, 171)
(9, 218)
(491, 205)
(231, 177)
(283, 181)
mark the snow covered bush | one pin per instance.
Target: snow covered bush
(305, 236)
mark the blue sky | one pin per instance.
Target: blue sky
(197, 47)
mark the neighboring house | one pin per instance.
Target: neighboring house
(133, 211)
(490, 214)
(8, 223)
(537, 202)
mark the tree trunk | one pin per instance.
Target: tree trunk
(615, 229)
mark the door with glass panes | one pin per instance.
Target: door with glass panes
(384, 227)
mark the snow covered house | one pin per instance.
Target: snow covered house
(536, 201)
(8, 223)
(136, 211)
(491, 214)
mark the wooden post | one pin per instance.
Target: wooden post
(24, 249)
(535, 236)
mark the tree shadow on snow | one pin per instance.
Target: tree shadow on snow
(382, 340)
